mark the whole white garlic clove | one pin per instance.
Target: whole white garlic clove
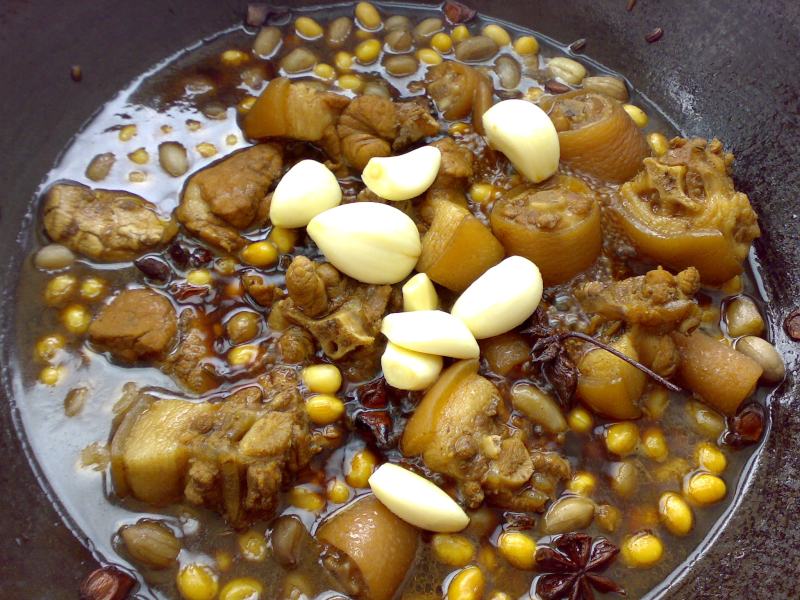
(307, 189)
(419, 294)
(417, 500)
(500, 299)
(402, 177)
(409, 370)
(526, 135)
(430, 332)
(371, 242)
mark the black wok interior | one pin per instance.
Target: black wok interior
(724, 69)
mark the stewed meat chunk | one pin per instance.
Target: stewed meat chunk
(137, 325)
(375, 126)
(341, 314)
(297, 111)
(233, 454)
(189, 363)
(456, 167)
(414, 122)
(229, 197)
(104, 225)
(656, 300)
(458, 429)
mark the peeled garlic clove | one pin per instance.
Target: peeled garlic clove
(371, 242)
(526, 135)
(416, 500)
(402, 177)
(430, 332)
(419, 294)
(307, 189)
(500, 299)
(408, 369)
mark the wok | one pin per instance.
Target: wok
(726, 69)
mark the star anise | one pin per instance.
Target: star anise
(549, 353)
(572, 565)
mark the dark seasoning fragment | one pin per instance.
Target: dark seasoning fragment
(792, 325)
(107, 583)
(578, 45)
(654, 35)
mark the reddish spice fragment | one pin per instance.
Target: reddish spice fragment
(191, 294)
(179, 254)
(107, 583)
(373, 394)
(792, 325)
(456, 13)
(378, 425)
(556, 87)
(76, 73)
(747, 426)
(631, 4)
(654, 35)
(200, 257)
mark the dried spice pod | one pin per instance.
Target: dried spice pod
(373, 394)
(572, 567)
(654, 35)
(179, 254)
(378, 425)
(792, 325)
(154, 267)
(549, 356)
(456, 12)
(200, 257)
(107, 583)
(578, 45)
(747, 426)
(556, 87)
